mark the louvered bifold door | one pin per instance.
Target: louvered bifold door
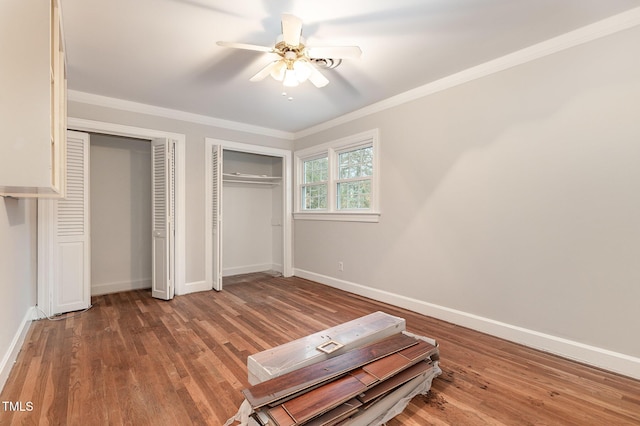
(163, 206)
(71, 290)
(216, 216)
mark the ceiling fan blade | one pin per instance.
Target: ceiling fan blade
(318, 79)
(264, 72)
(245, 46)
(291, 29)
(334, 52)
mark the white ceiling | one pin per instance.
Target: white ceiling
(164, 52)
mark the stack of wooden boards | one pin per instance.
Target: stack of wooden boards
(333, 390)
(338, 389)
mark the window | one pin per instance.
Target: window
(339, 180)
(355, 169)
(314, 186)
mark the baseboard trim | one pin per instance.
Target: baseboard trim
(100, 289)
(249, 269)
(11, 355)
(598, 357)
(194, 287)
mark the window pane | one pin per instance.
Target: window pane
(314, 197)
(355, 164)
(316, 170)
(354, 195)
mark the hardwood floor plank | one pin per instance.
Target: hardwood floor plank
(280, 416)
(337, 414)
(387, 366)
(393, 382)
(323, 399)
(129, 360)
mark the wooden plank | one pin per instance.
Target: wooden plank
(399, 379)
(320, 400)
(336, 415)
(364, 377)
(280, 416)
(420, 351)
(387, 366)
(307, 377)
(390, 365)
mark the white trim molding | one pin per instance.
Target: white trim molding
(339, 217)
(121, 104)
(249, 269)
(598, 357)
(196, 286)
(9, 358)
(116, 287)
(597, 30)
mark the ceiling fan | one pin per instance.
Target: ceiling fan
(296, 60)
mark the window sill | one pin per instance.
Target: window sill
(341, 217)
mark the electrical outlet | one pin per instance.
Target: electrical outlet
(340, 266)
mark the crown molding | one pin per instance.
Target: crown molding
(597, 30)
(121, 104)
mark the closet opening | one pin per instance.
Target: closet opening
(120, 213)
(252, 211)
(248, 211)
(163, 161)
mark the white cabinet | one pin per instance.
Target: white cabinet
(33, 99)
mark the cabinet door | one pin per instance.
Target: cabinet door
(32, 99)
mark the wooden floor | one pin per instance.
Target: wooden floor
(135, 360)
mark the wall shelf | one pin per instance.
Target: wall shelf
(251, 179)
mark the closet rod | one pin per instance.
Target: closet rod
(251, 182)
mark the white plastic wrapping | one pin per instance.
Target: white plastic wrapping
(291, 356)
(242, 416)
(395, 403)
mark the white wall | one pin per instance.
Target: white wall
(510, 204)
(246, 229)
(120, 195)
(17, 276)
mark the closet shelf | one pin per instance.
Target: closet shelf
(252, 179)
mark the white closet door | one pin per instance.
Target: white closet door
(163, 206)
(216, 215)
(71, 288)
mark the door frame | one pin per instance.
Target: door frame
(91, 126)
(287, 224)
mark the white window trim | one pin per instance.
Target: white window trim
(331, 150)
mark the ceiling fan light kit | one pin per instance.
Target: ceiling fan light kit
(297, 62)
